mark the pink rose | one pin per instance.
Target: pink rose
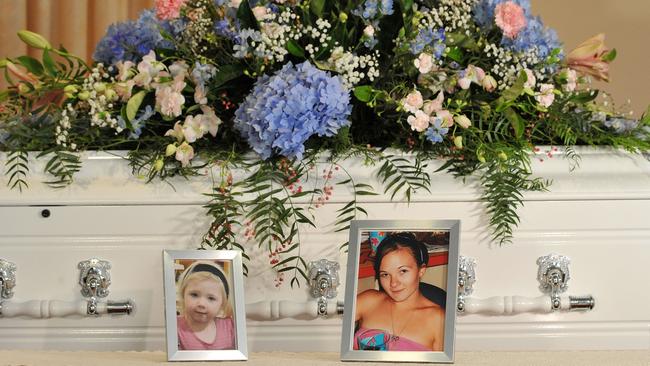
(510, 18)
(588, 58)
(168, 9)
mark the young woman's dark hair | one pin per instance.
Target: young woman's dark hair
(400, 240)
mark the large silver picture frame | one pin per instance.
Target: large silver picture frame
(381, 344)
(176, 265)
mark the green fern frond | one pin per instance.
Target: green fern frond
(62, 166)
(398, 174)
(17, 168)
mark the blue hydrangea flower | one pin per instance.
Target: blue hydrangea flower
(203, 73)
(429, 36)
(242, 47)
(436, 132)
(621, 125)
(534, 35)
(284, 110)
(372, 9)
(223, 28)
(129, 41)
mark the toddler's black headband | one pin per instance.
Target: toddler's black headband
(202, 267)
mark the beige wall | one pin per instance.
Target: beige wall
(626, 24)
(80, 23)
(77, 24)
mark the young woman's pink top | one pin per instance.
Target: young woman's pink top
(378, 340)
(225, 338)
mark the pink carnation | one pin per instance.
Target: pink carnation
(168, 9)
(510, 18)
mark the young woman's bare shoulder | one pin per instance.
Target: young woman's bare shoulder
(371, 295)
(370, 298)
(367, 302)
(434, 310)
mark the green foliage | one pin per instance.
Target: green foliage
(62, 166)
(504, 180)
(399, 174)
(16, 169)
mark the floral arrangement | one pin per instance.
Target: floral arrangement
(195, 83)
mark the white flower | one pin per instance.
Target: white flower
(148, 69)
(432, 106)
(571, 80)
(209, 121)
(124, 70)
(169, 100)
(530, 83)
(260, 13)
(124, 90)
(178, 69)
(464, 83)
(369, 31)
(200, 97)
(272, 30)
(546, 96)
(447, 118)
(424, 63)
(472, 74)
(419, 122)
(184, 153)
(176, 133)
(192, 128)
(413, 101)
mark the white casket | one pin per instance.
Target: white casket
(596, 215)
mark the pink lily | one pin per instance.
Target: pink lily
(589, 58)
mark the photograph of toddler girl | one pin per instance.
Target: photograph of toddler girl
(204, 307)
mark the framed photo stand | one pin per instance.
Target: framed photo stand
(400, 299)
(204, 305)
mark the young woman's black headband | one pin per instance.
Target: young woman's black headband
(202, 267)
(402, 239)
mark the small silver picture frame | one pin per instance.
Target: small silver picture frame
(177, 265)
(371, 334)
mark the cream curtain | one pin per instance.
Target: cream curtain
(76, 24)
